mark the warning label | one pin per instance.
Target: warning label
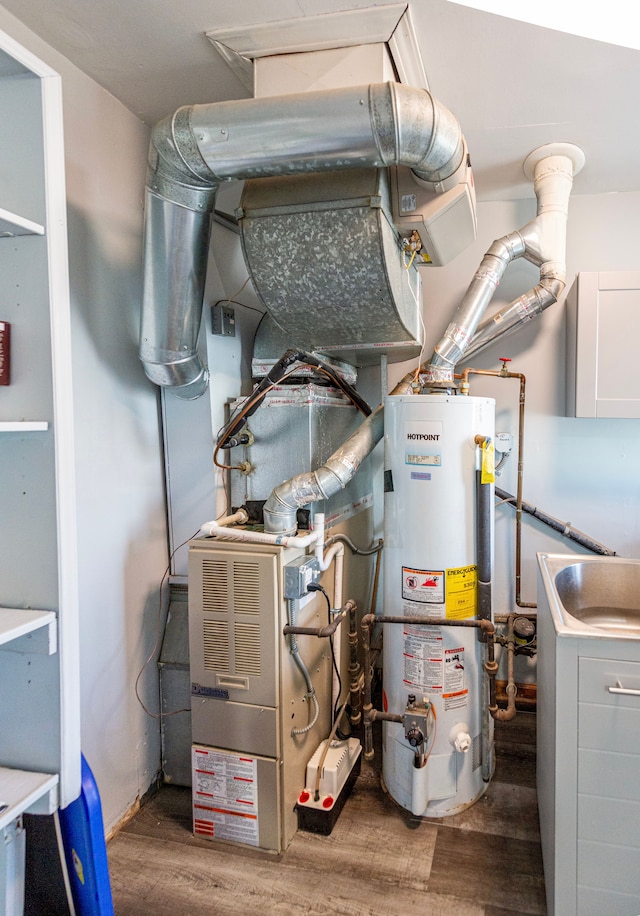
(424, 585)
(423, 658)
(454, 691)
(225, 795)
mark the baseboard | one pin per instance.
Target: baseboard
(135, 808)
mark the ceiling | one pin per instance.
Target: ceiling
(513, 86)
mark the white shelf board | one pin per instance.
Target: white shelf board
(23, 426)
(11, 224)
(19, 789)
(16, 622)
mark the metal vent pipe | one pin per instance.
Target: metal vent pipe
(542, 242)
(200, 146)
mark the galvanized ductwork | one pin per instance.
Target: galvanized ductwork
(191, 152)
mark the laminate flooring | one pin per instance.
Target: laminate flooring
(378, 861)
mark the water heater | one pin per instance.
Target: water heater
(431, 458)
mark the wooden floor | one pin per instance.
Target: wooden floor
(379, 859)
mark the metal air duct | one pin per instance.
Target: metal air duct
(191, 152)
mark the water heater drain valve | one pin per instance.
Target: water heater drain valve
(460, 738)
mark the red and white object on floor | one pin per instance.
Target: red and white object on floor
(339, 772)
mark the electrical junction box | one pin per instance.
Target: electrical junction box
(223, 320)
(298, 575)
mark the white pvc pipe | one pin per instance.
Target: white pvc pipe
(238, 518)
(257, 537)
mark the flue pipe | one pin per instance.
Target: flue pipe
(200, 146)
(541, 241)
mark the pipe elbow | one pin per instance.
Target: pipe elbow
(280, 509)
(507, 248)
(176, 171)
(412, 128)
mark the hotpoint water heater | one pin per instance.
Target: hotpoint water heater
(431, 458)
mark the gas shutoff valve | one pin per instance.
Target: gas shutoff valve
(416, 722)
(460, 738)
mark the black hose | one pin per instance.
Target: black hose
(273, 377)
(563, 528)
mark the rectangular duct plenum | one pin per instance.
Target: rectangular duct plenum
(327, 262)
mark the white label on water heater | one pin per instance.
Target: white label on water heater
(423, 443)
(454, 692)
(422, 656)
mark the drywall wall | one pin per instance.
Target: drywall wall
(121, 511)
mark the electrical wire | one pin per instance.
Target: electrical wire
(160, 715)
(432, 710)
(276, 376)
(318, 588)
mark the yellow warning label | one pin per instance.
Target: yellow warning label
(461, 592)
(487, 473)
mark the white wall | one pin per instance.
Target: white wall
(121, 510)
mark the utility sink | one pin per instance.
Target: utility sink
(593, 596)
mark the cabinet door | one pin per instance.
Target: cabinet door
(603, 313)
(608, 787)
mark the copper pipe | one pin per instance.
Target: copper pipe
(505, 715)
(355, 713)
(464, 389)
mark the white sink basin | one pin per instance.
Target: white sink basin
(593, 596)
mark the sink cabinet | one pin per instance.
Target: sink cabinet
(588, 763)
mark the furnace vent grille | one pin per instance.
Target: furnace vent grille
(246, 588)
(215, 586)
(247, 649)
(216, 645)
